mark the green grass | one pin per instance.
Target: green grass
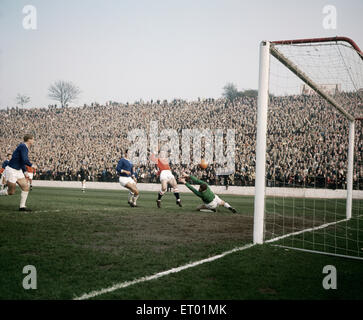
(84, 242)
(340, 236)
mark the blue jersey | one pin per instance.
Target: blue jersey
(5, 163)
(125, 164)
(20, 157)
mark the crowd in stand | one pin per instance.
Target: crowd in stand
(307, 140)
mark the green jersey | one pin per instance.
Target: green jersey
(207, 196)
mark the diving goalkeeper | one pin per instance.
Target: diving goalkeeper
(211, 200)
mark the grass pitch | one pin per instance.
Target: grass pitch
(80, 242)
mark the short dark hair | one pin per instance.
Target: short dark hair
(9, 154)
(203, 187)
(28, 137)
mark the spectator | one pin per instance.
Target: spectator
(306, 138)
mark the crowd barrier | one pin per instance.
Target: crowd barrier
(233, 190)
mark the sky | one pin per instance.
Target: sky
(124, 51)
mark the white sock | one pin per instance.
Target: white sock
(130, 196)
(135, 199)
(226, 205)
(4, 192)
(23, 196)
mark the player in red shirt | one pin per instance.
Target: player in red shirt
(166, 177)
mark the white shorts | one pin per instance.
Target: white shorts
(166, 175)
(214, 203)
(30, 175)
(125, 180)
(13, 175)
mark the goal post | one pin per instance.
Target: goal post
(328, 68)
(262, 104)
(350, 168)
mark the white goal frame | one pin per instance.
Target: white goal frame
(267, 48)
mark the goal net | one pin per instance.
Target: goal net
(309, 151)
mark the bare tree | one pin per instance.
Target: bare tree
(249, 93)
(22, 99)
(230, 92)
(63, 92)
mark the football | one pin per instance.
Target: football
(203, 164)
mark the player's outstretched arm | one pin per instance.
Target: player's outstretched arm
(153, 158)
(195, 180)
(195, 191)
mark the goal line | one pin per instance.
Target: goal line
(319, 252)
(305, 230)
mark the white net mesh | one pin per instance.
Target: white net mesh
(307, 150)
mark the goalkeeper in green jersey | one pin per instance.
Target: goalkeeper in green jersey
(211, 200)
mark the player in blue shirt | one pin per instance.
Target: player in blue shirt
(3, 166)
(13, 172)
(6, 162)
(127, 178)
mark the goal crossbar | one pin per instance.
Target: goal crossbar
(322, 40)
(305, 78)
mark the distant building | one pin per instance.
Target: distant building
(332, 89)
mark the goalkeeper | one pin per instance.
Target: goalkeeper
(211, 200)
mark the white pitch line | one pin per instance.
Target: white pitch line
(43, 211)
(305, 230)
(159, 275)
(320, 252)
(312, 229)
(191, 265)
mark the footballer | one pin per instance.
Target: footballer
(166, 177)
(13, 172)
(2, 169)
(82, 174)
(210, 200)
(127, 178)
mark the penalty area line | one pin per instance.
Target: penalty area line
(159, 275)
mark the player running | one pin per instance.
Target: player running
(211, 200)
(127, 178)
(13, 173)
(2, 169)
(166, 177)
